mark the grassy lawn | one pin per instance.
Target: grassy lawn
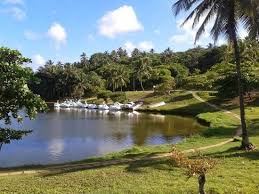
(236, 171)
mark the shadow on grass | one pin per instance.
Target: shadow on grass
(253, 127)
(235, 152)
(131, 159)
(149, 95)
(189, 110)
(231, 104)
(161, 164)
(181, 97)
(220, 132)
(134, 166)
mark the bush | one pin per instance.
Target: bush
(119, 97)
(105, 94)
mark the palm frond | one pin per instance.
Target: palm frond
(182, 5)
(210, 15)
(218, 26)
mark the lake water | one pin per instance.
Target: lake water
(68, 135)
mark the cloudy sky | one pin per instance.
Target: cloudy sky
(62, 29)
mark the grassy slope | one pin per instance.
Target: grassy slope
(236, 171)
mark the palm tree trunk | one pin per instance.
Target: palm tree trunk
(141, 84)
(245, 140)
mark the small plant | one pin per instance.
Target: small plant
(194, 167)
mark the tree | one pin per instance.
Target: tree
(97, 60)
(195, 167)
(142, 70)
(167, 56)
(226, 78)
(84, 62)
(94, 84)
(122, 77)
(49, 85)
(15, 94)
(227, 14)
(162, 79)
(179, 72)
(117, 76)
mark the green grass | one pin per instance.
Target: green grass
(179, 103)
(134, 96)
(236, 171)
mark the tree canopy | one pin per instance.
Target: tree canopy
(119, 70)
(15, 94)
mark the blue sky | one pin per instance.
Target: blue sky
(62, 29)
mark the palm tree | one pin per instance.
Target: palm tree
(122, 77)
(143, 70)
(226, 15)
(117, 76)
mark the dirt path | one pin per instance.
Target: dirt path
(55, 169)
(238, 131)
(194, 94)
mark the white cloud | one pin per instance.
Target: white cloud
(37, 61)
(178, 39)
(14, 2)
(187, 33)
(146, 45)
(58, 34)
(16, 13)
(129, 46)
(119, 21)
(30, 35)
(157, 31)
(221, 41)
(143, 46)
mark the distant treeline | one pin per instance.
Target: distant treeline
(119, 71)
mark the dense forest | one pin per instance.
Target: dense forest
(210, 68)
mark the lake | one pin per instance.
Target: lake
(68, 135)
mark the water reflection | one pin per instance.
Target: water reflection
(73, 134)
(56, 147)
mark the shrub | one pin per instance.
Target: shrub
(105, 94)
(119, 97)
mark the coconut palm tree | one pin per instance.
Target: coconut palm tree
(122, 77)
(226, 16)
(143, 70)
